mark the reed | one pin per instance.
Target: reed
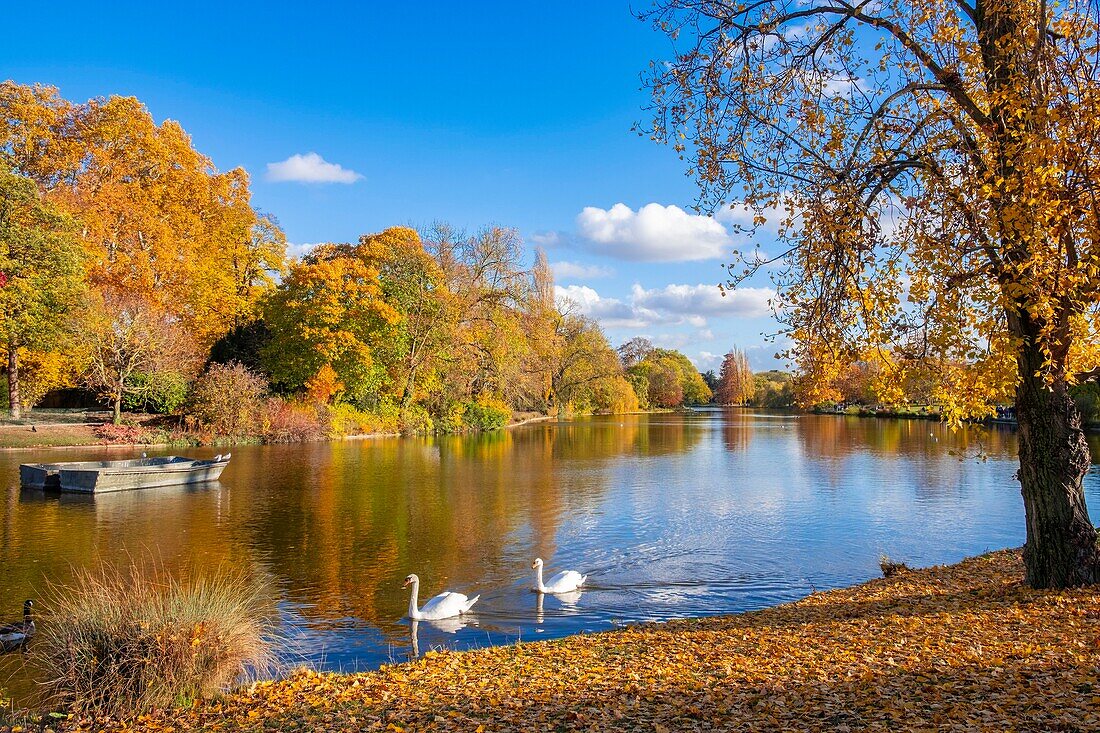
(118, 641)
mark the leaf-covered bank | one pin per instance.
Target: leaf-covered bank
(962, 647)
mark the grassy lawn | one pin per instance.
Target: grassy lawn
(47, 436)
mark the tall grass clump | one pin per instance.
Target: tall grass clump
(120, 640)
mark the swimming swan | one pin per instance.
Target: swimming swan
(445, 605)
(564, 582)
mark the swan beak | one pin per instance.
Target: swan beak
(406, 584)
(534, 565)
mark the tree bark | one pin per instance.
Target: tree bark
(117, 403)
(15, 403)
(1061, 549)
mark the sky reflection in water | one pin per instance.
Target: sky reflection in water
(670, 515)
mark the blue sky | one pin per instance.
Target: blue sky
(475, 113)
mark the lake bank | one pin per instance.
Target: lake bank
(966, 644)
(31, 435)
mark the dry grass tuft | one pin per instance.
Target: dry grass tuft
(121, 640)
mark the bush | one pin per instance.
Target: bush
(415, 420)
(344, 419)
(448, 418)
(159, 392)
(117, 641)
(289, 422)
(123, 433)
(227, 399)
(486, 413)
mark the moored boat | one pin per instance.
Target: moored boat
(94, 477)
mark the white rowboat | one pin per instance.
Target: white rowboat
(96, 477)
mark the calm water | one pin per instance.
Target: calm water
(670, 515)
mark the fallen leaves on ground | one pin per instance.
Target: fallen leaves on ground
(964, 647)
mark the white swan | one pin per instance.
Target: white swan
(445, 605)
(564, 582)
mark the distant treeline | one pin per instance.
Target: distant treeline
(130, 267)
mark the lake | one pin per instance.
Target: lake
(670, 515)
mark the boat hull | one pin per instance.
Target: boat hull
(97, 477)
(40, 475)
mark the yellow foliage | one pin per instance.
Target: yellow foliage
(324, 385)
(44, 371)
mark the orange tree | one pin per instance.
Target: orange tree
(934, 163)
(736, 384)
(157, 219)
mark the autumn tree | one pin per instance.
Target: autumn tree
(158, 220)
(495, 302)
(583, 367)
(773, 389)
(933, 165)
(635, 350)
(417, 343)
(125, 335)
(668, 378)
(41, 279)
(327, 312)
(735, 381)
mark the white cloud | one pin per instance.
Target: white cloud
(610, 312)
(547, 239)
(670, 305)
(706, 360)
(654, 233)
(705, 300)
(298, 251)
(310, 168)
(565, 270)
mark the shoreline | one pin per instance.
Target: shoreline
(93, 442)
(966, 643)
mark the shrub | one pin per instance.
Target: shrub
(486, 413)
(123, 433)
(227, 399)
(448, 418)
(344, 419)
(118, 641)
(158, 392)
(389, 416)
(415, 420)
(289, 422)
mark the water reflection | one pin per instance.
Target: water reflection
(670, 515)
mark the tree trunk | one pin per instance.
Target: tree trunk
(1061, 548)
(118, 409)
(14, 402)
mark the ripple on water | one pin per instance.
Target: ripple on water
(669, 515)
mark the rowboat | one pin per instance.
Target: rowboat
(96, 477)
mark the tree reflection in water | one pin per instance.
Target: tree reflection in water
(671, 514)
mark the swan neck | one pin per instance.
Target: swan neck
(414, 612)
(538, 578)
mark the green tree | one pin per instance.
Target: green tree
(418, 343)
(41, 277)
(773, 389)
